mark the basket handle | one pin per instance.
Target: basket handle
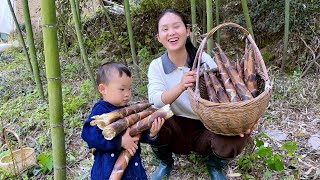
(15, 135)
(258, 56)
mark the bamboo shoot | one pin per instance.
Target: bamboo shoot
(220, 92)
(211, 92)
(230, 89)
(107, 118)
(249, 74)
(115, 128)
(238, 83)
(124, 158)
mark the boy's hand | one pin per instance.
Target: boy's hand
(156, 126)
(129, 143)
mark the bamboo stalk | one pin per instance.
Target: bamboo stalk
(246, 13)
(20, 35)
(238, 83)
(131, 38)
(230, 89)
(124, 158)
(51, 52)
(113, 31)
(80, 41)
(194, 21)
(115, 128)
(209, 25)
(220, 92)
(107, 118)
(32, 49)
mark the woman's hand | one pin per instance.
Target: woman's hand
(249, 130)
(156, 126)
(187, 80)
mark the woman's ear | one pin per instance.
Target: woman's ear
(188, 31)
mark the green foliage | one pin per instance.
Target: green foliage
(265, 155)
(46, 161)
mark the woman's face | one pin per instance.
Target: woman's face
(172, 33)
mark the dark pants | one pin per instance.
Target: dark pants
(182, 135)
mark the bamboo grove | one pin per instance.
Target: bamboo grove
(238, 78)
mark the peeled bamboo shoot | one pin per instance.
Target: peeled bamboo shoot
(146, 123)
(115, 128)
(105, 119)
(124, 158)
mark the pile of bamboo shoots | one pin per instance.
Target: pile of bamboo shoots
(237, 81)
(138, 117)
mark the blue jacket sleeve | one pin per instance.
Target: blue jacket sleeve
(145, 137)
(94, 137)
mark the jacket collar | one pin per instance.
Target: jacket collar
(168, 65)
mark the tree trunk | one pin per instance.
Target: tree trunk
(115, 128)
(32, 49)
(209, 25)
(105, 119)
(51, 51)
(131, 38)
(247, 16)
(113, 31)
(286, 33)
(20, 36)
(230, 89)
(194, 21)
(217, 19)
(124, 158)
(81, 44)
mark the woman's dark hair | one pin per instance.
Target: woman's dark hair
(189, 46)
(107, 70)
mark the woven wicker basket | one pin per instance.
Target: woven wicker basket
(235, 117)
(19, 160)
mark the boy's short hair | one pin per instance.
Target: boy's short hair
(106, 70)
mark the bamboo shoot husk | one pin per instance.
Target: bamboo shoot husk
(211, 92)
(230, 89)
(115, 128)
(250, 74)
(220, 92)
(124, 158)
(238, 83)
(105, 119)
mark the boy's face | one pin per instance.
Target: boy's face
(118, 90)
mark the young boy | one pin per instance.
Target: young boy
(114, 83)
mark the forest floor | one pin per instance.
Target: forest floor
(293, 115)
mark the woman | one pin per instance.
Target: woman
(169, 76)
